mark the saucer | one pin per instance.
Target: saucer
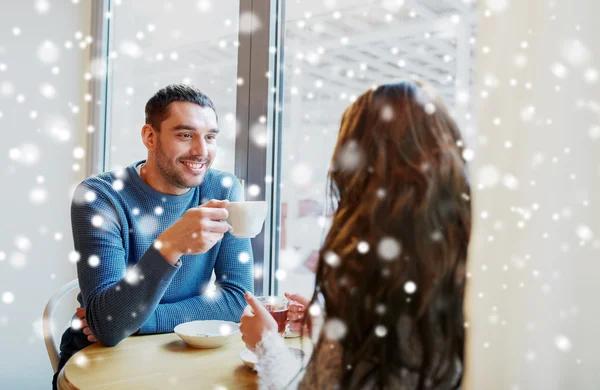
(250, 359)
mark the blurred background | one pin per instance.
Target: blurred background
(520, 78)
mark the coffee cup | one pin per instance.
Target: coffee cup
(246, 218)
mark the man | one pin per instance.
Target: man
(149, 236)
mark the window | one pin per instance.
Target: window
(154, 44)
(279, 125)
(333, 54)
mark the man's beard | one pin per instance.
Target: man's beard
(174, 174)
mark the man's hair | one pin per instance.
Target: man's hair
(157, 108)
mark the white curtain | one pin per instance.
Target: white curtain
(533, 308)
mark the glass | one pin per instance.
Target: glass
(155, 43)
(278, 307)
(335, 51)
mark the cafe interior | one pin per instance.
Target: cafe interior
(520, 78)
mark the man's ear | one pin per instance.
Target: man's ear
(149, 137)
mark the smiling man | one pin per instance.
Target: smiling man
(148, 237)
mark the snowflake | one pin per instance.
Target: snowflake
(254, 190)
(510, 182)
(76, 324)
(130, 49)
(314, 310)
(244, 257)
(97, 220)
(23, 243)
(249, 23)
(81, 360)
(280, 274)
(489, 176)
(350, 157)
(118, 185)
(594, 132)
(591, 75)
(227, 182)
(47, 52)
(575, 52)
(363, 247)
(301, 174)
(132, 276)
(410, 287)
(560, 70)
(380, 331)
(148, 225)
(389, 248)
(94, 261)
(380, 309)
(225, 329)
(584, 233)
(436, 236)
(18, 260)
(74, 257)
(48, 91)
(332, 259)
(38, 195)
(387, 113)
(468, 154)
(563, 343)
(8, 297)
(335, 329)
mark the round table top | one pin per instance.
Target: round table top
(160, 361)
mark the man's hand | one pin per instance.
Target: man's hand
(255, 321)
(296, 312)
(80, 313)
(197, 231)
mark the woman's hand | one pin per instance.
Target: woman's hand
(255, 321)
(298, 306)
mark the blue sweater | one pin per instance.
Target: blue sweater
(126, 284)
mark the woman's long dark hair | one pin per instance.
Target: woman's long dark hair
(398, 181)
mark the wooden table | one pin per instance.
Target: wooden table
(161, 361)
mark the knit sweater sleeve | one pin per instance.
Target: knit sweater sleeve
(233, 270)
(279, 368)
(118, 300)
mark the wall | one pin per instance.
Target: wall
(42, 123)
(533, 312)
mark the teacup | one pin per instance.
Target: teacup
(246, 218)
(278, 307)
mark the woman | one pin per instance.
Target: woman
(391, 271)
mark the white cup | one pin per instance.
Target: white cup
(246, 218)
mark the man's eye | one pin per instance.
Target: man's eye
(186, 135)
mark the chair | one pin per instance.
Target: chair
(48, 326)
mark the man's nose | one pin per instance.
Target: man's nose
(199, 147)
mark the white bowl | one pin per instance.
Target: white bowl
(208, 334)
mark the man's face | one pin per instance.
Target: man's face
(186, 144)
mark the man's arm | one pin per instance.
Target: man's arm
(118, 301)
(233, 278)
